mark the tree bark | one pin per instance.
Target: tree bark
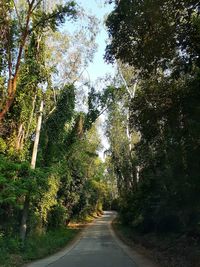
(37, 137)
(12, 83)
(23, 227)
(20, 137)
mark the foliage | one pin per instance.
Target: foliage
(69, 179)
(69, 52)
(16, 180)
(37, 246)
(156, 34)
(156, 41)
(57, 217)
(25, 19)
(179, 250)
(57, 125)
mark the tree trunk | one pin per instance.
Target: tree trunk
(37, 137)
(20, 137)
(12, 82)
(23, 227)
(12, 85)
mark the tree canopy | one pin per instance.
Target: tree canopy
(40, 65)
(152, 166)
(156, 46)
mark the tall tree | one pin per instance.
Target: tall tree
(32, 19)
(160, 39)
(156, 34)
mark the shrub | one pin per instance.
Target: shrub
(57, 217)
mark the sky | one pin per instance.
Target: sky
(98, 67)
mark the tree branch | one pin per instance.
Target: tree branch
(23, 38)
(37, 4)
(18, 16)
(49, 16)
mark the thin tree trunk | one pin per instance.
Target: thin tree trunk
(12, 85)
(37, 137)
(23, 227)
(134, 178)
(20, 137)
(128, 133)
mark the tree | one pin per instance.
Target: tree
(34, 18)
(69, 52)
(160, 34)
(68, 177)
(159, 40)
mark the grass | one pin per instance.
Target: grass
(169, 250)
(36, 247)
(40, 246)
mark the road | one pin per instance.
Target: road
(96, 248)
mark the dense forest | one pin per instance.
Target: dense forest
(154, 121)
(154, 125)
(50, 170)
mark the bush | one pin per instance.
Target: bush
(12, 244)
(57, 217)
(169, 223)
(3, 145)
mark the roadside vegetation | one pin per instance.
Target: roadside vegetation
(50, 171)
(153, 124)
(36, 246)
(172, 249)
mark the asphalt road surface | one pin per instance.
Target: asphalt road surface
(96, 248)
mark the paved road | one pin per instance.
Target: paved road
(96, 248)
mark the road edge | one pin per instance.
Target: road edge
(139, 259)
(44, 262)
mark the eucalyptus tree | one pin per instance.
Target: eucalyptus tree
(69, 51)
(161, 40)
(23, 21)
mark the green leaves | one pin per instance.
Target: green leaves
(149, 34)
(17, 179)
(55, 18)
(58, 126)
(158, 40)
